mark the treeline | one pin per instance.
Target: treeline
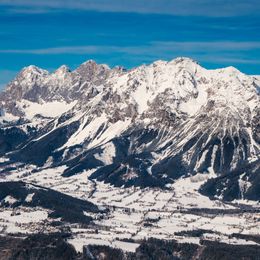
(38, 246)
(54, 246)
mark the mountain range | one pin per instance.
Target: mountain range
(144, 127)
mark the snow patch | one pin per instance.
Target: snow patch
(10, 200)
(29, 198)
(45, 109)
(107, 155)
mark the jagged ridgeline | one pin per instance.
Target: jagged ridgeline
(146, 127)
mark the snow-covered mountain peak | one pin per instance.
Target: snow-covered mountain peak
(25, 80)
(177, 63)
(60, 78)
(228, 72)
(187, 64)
(29, 75)
(231, 70)
(184, 62)
(90, 71)
(172, 81)
(232, 87)
(62, 70)
(32, 69)
(157, 63)
(91, 64)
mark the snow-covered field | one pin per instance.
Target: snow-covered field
(139, 213)
(24, 220)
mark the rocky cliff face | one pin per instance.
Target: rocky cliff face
(147, 126)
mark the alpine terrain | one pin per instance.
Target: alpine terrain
(169, 150)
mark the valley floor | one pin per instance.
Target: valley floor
(180, 213)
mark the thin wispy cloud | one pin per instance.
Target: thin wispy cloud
(216, 8)
(218, 51)
(157, 45)
(230, 60)
(210, 45)
(60, 50)
(129, 32)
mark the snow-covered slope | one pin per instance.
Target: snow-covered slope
(147, 126)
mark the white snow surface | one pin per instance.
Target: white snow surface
(29, 197)
(9, 199)
(7, 117)
(45, 109)
(131, 207)
(107, 155)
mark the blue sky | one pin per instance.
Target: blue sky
(128, 32)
